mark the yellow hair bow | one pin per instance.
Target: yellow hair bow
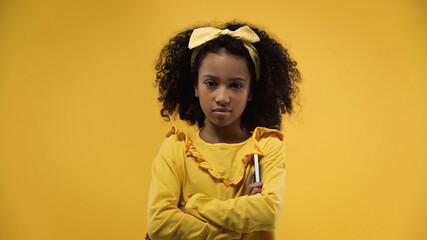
(202, 35)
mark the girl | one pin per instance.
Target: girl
(234, 82)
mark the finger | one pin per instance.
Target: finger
(256, 184)
(250, 178)
(248, 181)
(255, 191)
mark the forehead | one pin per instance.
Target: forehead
(224, 65)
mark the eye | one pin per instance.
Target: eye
(210, 83)
(236, 85)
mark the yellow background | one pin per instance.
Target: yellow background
(79, 121)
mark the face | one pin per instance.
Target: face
(223, 88)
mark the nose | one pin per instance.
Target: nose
(222, 96)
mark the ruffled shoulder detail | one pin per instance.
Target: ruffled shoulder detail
(262, 132)
(191, 151)
(180, 135)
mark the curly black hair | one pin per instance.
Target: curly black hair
(272, 95)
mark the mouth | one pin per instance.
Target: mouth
(221, 110)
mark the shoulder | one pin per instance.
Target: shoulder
(271, 143)
(172, 153)
(174, 142)
(267, 137)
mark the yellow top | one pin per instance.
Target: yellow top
(208, 179)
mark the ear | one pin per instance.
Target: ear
(250, 97)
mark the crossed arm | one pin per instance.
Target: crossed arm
(165, 219)
(249, 213)
(209, 218)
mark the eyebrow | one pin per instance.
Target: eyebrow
(233, 79)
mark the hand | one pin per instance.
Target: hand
(250, 187)
(182, 208)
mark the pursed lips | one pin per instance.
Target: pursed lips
(221, 110)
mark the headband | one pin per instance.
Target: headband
(202, 35)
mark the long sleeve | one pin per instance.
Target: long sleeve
(165, 219)
(244, 214)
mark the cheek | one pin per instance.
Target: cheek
(244, 102)
(203, 98)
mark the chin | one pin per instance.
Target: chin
(220, 123)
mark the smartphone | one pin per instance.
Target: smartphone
(257, 173)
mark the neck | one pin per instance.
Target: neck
(226, 134)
